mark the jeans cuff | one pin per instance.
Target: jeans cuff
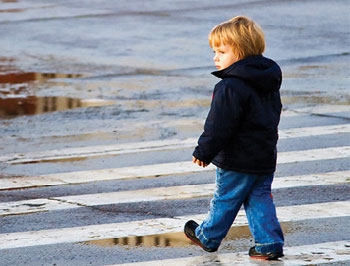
(213, 244)
(269, 247)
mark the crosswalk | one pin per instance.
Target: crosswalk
(167, 231)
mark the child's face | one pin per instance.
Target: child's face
(224, 56)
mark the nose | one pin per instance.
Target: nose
(215, 58)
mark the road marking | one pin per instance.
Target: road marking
(158, 169)
(328, 252)
(154, 194)
(101, 150)
(159, 226)
(324, 109)
(33, 206)
(314, 155)
(117, 149)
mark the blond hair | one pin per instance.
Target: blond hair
(245, 37)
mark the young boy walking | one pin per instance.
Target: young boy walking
(240, 137)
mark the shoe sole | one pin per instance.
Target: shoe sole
(275, 257)
(200, 245)
(194, 240)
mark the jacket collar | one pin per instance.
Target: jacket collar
(231, 69)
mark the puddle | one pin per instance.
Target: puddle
(24, 77)
(163, 240)
(10, 10)
(15, 105)
(174, 239)
(16, 94)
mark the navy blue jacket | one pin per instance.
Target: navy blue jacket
(241, 129)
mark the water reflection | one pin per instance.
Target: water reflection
(16, 94)
(177, 239)
(24, 77)
(164, 240)
(30, 105)
(10, 10)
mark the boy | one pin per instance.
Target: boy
(240, 137)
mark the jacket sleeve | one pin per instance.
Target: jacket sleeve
(221, 123)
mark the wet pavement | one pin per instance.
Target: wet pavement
(149, 62)
(93, 74)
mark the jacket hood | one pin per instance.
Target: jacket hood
(258, 71)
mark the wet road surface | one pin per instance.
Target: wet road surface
(100, 107)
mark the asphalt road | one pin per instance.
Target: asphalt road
(101, 104)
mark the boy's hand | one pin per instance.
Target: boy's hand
(199, 162)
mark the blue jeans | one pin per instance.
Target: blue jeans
(233, 190)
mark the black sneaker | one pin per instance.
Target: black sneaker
(264, 256)
(190, 228)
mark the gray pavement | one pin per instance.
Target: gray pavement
(132, 79)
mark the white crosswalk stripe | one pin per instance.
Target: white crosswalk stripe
(159, 169)
(145, 146)
(153, 194)
(159, 226)
(334, 251)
